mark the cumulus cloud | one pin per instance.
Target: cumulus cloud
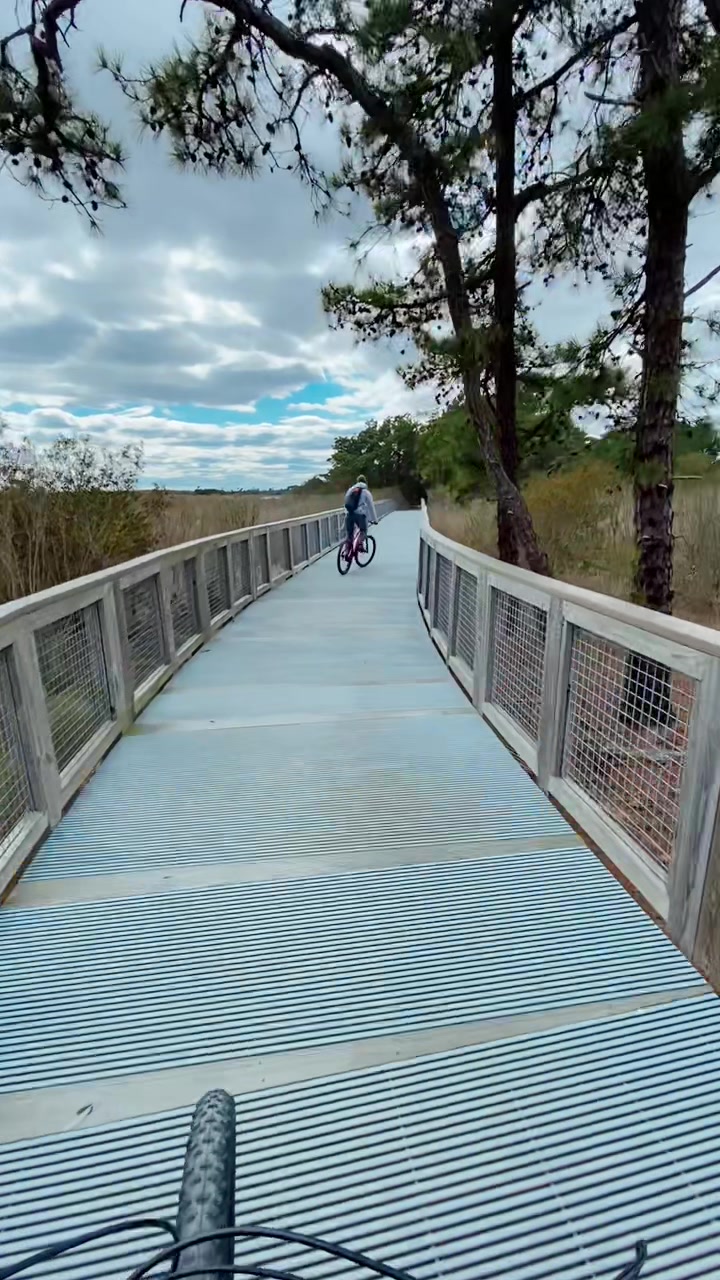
(200, 301)
(194, 322)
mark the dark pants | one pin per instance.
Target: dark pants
(353, 518)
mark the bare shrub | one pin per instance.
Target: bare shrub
(70, 509)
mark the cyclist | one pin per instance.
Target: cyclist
(359, 507)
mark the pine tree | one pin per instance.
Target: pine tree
(498, 150)
(651, 148)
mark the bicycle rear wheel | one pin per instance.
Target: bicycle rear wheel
(364, 557)
(344, 562)
(207, 1191)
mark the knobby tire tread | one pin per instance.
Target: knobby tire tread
(207, 1191)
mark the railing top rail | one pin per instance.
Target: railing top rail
(128, 570)
(675, 630)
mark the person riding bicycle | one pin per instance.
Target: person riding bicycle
(359, 507)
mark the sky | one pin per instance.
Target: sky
(193, 324)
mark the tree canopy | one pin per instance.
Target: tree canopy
(442, 453)
(386, 452)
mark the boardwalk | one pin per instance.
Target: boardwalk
(313, 875)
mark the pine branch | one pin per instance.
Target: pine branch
(323, 57)
(611, 102)
(585, 51)
(45, 44)
(61, 146)
(701, 283)
(540, 191)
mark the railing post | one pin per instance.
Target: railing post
(452, 610)
(693, 884)
(552, 710)
(483, 655)
(260, 537)
(432, 588)
(706, 951)
(165, 592)
(202, 595)
(117, 657)
(35, 727)
(251, 563)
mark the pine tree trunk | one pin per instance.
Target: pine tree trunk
(667, 194)
(504, 268)
(508, 494)
(447, 249)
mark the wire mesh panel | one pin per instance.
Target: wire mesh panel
(626, 738)
(183, 603)
(325, 533)
(441, 614)
(143, 627)
(74, 677)
(15, 793)
(216, 577)
(262, 565)
(242, 577)
(279, 551)
(518, 660)
(313, 538)
(465, 617)
(298, 535)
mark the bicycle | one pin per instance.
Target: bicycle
(204, 1232)
(361, 549)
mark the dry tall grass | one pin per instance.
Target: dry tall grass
(48, 536)
(187, 516)
(584, 519)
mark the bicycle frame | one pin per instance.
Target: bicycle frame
(356, 545)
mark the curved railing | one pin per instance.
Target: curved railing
(79, 661)
(615, 709)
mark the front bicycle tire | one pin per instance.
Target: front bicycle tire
(207, 1191)
(344, 563)
(365, 556)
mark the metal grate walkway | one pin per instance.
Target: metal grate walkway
(312, 874)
